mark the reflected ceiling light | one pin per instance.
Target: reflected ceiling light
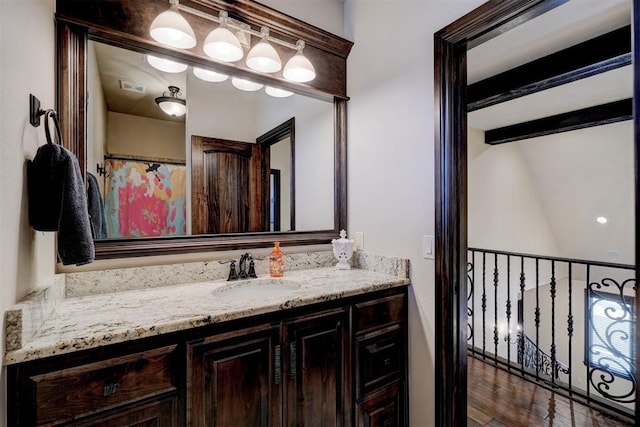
(245, 85)
(166, 65)
(263, 57)
(171, 29)
(299, 69)
(602, 220)
(171, 104)
(208, 75)
(222, 44)
(277, 93)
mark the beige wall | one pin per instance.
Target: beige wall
(143, 137)
(96, 116)
(26, 66)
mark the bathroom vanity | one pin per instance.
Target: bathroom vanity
(319, 347)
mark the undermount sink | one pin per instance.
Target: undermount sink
(257, 288)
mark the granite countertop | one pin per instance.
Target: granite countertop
(89, 321)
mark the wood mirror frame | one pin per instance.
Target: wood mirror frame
(125, 23)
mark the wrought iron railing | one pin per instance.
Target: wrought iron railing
(572, 328)
(531, 357)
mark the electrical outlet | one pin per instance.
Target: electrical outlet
(359, 243)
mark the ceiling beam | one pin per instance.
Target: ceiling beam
(587, 117)
(598, 55)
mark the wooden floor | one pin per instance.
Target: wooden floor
(497, 398)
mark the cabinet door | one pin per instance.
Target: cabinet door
(317, 385)
(157, 413)
(384, 408)
(234, 379)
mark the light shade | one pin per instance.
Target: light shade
(263, 57)
(166, 65)
(171, 29)
(299, 69)
(208, 75)
(222, 44)
(171, 104)
(245, 85)
(277, 92)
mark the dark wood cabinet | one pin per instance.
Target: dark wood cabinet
(317, 377)
(381, 362)
(156, 413)
(234, 379)
(338, 363)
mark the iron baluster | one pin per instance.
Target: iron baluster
(570, 326)
(521, 314)
(484, 304)
(537, 312)
(552, 291)
(508, 311)
(495, 304)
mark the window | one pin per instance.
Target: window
(610, 333)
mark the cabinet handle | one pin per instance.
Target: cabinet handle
(278, 364)
(110, 389)
(292, 360)
(377, 347)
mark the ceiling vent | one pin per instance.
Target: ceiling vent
(131, 87)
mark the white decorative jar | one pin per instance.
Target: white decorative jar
(343, 251)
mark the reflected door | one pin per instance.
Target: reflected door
(226, 186)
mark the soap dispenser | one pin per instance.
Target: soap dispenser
(276, 262)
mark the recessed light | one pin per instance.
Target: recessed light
(602, 220)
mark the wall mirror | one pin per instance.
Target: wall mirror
(155, 168)
(240, 169)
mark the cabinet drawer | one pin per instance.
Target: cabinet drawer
(385, 408)
(82, 390)
(379, 312)
(380, 358)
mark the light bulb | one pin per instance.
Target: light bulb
(172, 29)
(245, 85)
(277, 92)
(166, 65)
(208, 75)
(263, 57)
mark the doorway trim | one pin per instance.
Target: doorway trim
(450, 78)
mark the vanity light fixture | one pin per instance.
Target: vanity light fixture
(263, 57)
(171, 104)
(277, 92)
(208, 75)
(171, 29)
(225, 43)
(166, 65)
(299, 69)
(222, 44)
(246, 85)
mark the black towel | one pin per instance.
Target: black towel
(96, 208)
(57, 202)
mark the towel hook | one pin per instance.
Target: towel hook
(34, 118)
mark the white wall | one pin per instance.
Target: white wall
(505, 208)
(280, 158)
(27, 58)
(391, 154)
(313, 151)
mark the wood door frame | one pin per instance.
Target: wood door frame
(450, 77)
(287, 129)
